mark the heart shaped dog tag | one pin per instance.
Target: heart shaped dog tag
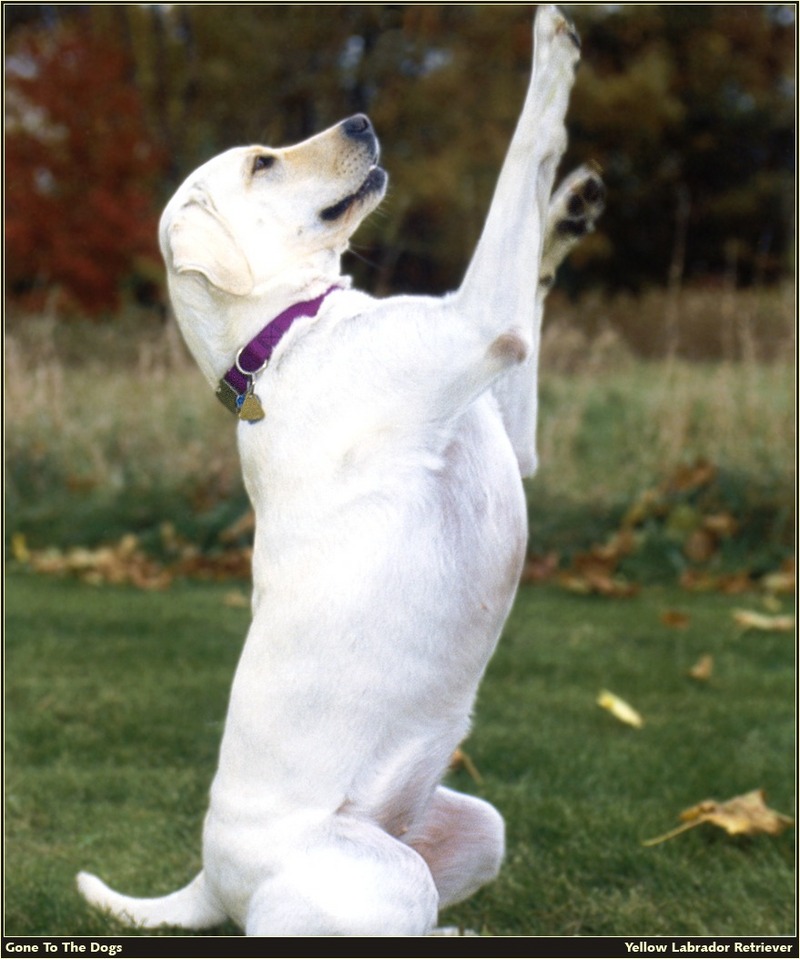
(251, 409)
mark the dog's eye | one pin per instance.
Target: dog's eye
(263, 162)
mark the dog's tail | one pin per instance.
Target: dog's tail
(193, 907)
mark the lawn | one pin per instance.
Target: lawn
(115, 700)
(122, 469)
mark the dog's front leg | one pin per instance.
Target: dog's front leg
(500, 287)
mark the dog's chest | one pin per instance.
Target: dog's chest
(317, 463)
(387, 551)
(419, 536)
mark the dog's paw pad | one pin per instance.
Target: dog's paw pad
(574, 209)
(585, 201)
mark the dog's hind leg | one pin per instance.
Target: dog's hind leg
(462, 839)
(573, 211)
(354, 879)
(192, 907)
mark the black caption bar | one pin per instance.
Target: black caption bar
(635, 947)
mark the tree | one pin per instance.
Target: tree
(690, 111)
(80, 170)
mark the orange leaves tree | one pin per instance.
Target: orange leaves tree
(81, 170)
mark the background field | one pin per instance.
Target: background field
(111, 430)
(664, 504)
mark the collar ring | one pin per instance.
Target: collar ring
(248, 373)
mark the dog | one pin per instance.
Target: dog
(382, 444)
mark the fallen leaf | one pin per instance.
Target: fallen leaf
(721, 524)
(649, 504)
(702, 669)
(594, 571)
(735, 583)
(782, 580)
(698, 580)
(744, 815)
(598, 583)
(692, 476)
(728, 583)
(460, 760)
(243, 527)
(236, 599)
(675, 619)
(700, 546)
(620, 709)
(540, 569)
(749, 619)
(19, 548)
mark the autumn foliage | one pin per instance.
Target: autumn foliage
(80, 171)
(688, 108)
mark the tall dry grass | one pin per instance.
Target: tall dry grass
(107, 426)
(616, 412)
(708, 322)
(99, 417)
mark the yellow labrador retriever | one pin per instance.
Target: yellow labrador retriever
(382, 444)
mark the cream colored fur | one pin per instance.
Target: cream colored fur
(390, 527)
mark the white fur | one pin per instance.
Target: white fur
(390, 532)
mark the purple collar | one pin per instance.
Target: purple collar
(235, 389)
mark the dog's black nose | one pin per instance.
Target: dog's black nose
(358, 127)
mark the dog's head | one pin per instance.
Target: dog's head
(252, 213)
(254, 218)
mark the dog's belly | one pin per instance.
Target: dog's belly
(371, 631)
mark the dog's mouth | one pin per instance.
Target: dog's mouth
(374, 184)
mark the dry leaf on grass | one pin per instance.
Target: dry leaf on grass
(749, 619)
(236, 599)
(19, 548)
(540, 568)
(781, 580)
(732, 584)
(126, 562)
(691, 476)
(461, 760)
(620, 709)
(702, 669)
(721, 524)
(122, 563)
(244, 527)
(598, 583)
(745, 815)
(675, 619)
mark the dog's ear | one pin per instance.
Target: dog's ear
(200, 241)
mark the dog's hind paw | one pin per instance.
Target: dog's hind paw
(574, 209)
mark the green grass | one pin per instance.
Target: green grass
(116, 699)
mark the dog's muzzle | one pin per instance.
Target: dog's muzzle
(359, 129)
(374, 183)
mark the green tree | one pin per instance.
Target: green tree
(690, 111)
